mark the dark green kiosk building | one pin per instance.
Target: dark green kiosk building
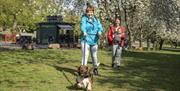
(55, 31)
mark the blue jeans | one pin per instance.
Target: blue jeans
(85, 53)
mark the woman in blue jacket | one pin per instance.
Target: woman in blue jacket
(91, 30)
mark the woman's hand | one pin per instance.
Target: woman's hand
(85, 34)
(99, 34)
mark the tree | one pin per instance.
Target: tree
(24, 14)
(166, 13)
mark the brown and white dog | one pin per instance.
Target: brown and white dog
(84, 78)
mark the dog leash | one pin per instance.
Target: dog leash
(84, 50)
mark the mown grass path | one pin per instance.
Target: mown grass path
(55, 70)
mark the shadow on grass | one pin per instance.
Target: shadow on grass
(16, 50)
(13, 50)
(64, 70)
(105, 65)
(71, 71)
(146, 71)
(172, 49)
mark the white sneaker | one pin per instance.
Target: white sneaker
(98, 64)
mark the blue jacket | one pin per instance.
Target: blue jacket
(91, 29)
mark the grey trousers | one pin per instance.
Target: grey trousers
(85, 53)
(116, 55)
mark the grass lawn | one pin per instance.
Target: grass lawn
(55, 70)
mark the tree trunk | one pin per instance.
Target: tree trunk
(161, 44)
(155, 44)
(14, 24)
(148, 44)
(176, 44)
(140, 40)
(130, 36)
(4, 27)
(130, 39)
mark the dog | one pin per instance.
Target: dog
(85, 78)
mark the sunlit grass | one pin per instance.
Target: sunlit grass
(55, 70)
